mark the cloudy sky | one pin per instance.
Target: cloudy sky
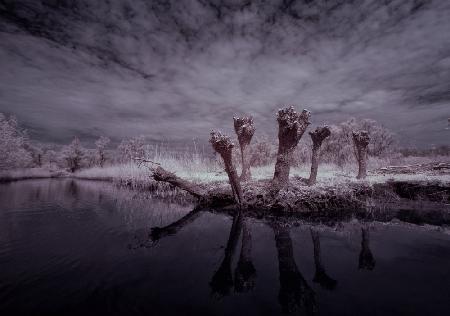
(176, 69)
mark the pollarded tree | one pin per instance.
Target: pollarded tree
(317, 137)
(100, 145)
(291, 126)
(244, 128)
(73, 155)
(361, 140)
(13, 153)
(223, 145)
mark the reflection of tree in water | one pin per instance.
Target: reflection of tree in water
(366, 259)
(160, 232)
(72, 188)
(295, 293)
(320, 276)
(245, 273)
(222, 281)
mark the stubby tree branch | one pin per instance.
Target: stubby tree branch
(318, 136)
(244, 128)
(361, 140)
(291, 126)
(224, 146)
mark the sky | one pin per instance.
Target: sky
(176, 69)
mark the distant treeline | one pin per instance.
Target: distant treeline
(17, 150)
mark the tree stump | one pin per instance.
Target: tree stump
(224, 146)
(244, 129)
(291, 126)
(318, 136)
(361, 140)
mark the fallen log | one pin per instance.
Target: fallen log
(160, 174)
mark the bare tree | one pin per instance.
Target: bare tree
(361, 141)
(244, 129)
(224, 146)
(291, 126)
(319, 134)
(100, 145)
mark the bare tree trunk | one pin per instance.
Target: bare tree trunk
(224, 146)
(291, 126)
(319, 134)
(321, 275)
(245, 273)
(361, 140)
(295, 293)
(160, 174)
(244, 129)
(222, 280)
(366, 259)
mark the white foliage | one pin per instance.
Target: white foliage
(12, 144)
(73, 154)
(132, 148)
(101, 145)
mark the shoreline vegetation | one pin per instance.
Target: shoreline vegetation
(359, 178)
(418, 193)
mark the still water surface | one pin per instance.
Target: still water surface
(88, 248)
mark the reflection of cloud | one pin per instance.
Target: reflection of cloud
(137, 67)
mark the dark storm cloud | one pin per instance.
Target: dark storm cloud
(175, 69)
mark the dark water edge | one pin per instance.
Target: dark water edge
(71, 247)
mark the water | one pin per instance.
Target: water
(87, 248)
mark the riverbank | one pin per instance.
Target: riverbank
(337, 192)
